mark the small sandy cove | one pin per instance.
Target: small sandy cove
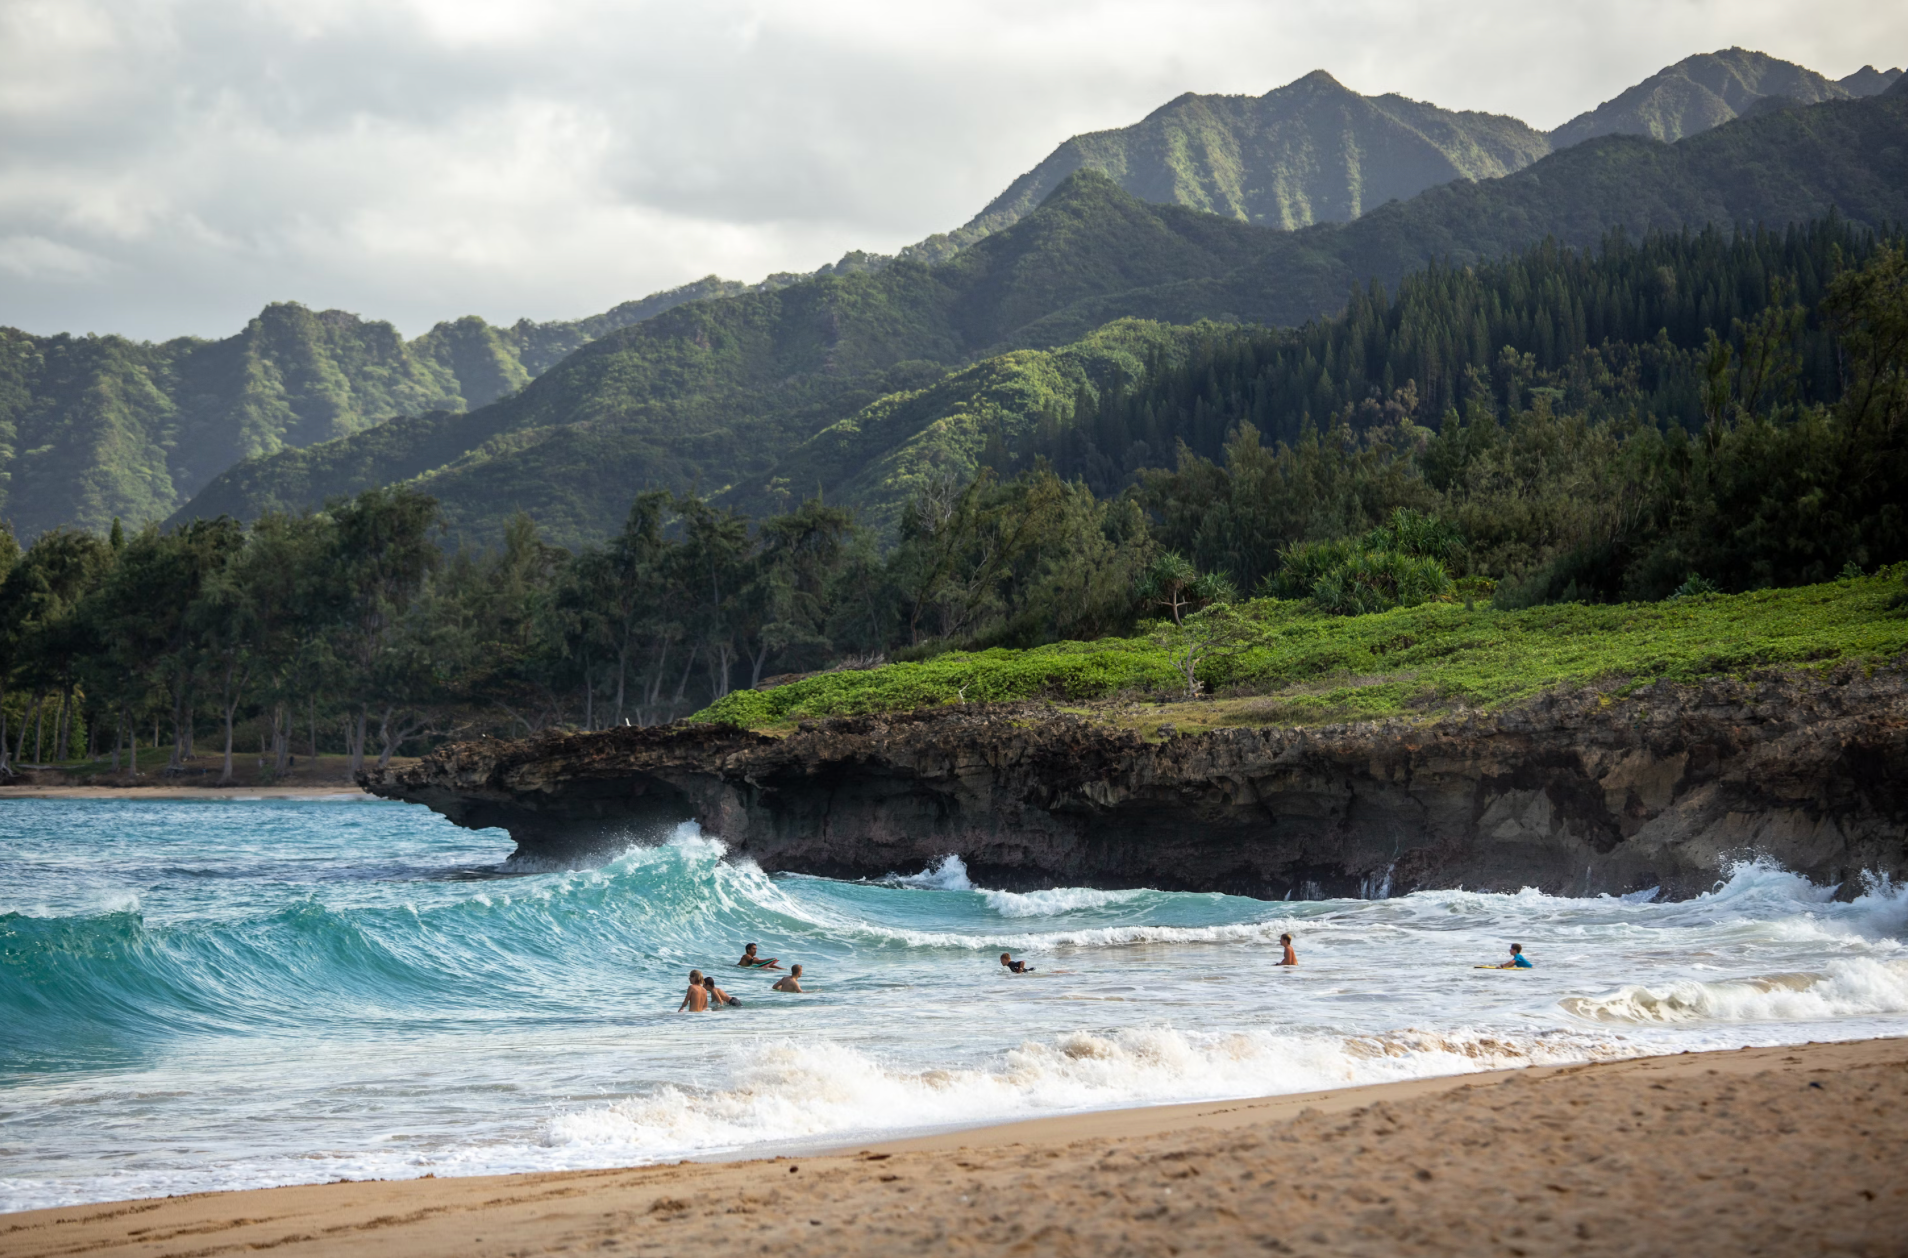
(1762, 1151)
(234, 794)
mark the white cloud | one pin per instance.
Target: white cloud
(419, 159)
(49, 261)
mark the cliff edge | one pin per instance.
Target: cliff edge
(1583, 792)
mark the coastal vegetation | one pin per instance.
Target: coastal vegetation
(1603, 511)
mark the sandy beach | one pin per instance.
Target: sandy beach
(231, 793)
(1759, 1151)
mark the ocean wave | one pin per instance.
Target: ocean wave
(1852, 987)
(947, 874)
(790, 1091)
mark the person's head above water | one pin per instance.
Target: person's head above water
(748, 950)
(796, 970)
(1006, 958)
(1516, 949)
(695, 976)
(708, 981)
(1285, 939)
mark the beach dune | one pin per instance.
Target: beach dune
(1763, 1151)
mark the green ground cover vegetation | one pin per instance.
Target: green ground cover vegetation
(1426, 660)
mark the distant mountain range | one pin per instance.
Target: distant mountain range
(864, 385)
(738, 388)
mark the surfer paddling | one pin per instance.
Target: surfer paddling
(1291, 957)
(1518, 960)
(1013, 966)
(696, 1000)
(750, 961)
(789, 982)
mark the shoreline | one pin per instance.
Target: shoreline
(1731, 1151)
(234, 794)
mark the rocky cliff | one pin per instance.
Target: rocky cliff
(1576, 793)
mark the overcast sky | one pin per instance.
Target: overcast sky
(169, 166)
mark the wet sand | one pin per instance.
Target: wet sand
(1759, 1151)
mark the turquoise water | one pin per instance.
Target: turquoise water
(203, 995)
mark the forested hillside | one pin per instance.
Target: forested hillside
(1758, 439)
(717, 394)
(97, 427)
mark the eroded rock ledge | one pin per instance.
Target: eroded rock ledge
(1577, 793)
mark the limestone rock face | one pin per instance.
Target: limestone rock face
(1577, 793)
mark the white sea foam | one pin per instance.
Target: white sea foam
(789, 1091)
(1854, 987)
(1058, 901)
(948, 874)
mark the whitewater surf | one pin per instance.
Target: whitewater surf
(223, 995)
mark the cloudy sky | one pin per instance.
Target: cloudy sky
(169, 166)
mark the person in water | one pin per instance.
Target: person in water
(789, 982)
(1518, 960)
(750, 961)
(1291, 957)
(1013, 966)
(696, 1000)
(717, 997)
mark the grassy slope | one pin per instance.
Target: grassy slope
(1312, 668)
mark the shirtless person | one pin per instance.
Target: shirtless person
(789, 982)
(750, 961)
(696, 1000)
(1291, 957)
(717, 997)
(1013, 966)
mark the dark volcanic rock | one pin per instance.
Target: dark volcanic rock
(1575, 793)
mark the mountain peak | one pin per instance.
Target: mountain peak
(1317, 80)
(1700, 92)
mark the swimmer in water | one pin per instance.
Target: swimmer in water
(717, 997)
(1291, 957)
(1013, 966)
(696, 1000)
(1518, 960)
(789, 982)
(750, 961)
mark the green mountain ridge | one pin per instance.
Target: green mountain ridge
(763, 395)
(1710, 89)
(97, 427)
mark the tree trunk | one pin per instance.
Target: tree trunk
(61, 724)
(281, 739)
(622, 677)
(755, 670)
(39, 733)
(311, 710)
(179, 753)
(4, 758)
(682, 687)
(225, 774)
(355, 733)
(27, 715)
